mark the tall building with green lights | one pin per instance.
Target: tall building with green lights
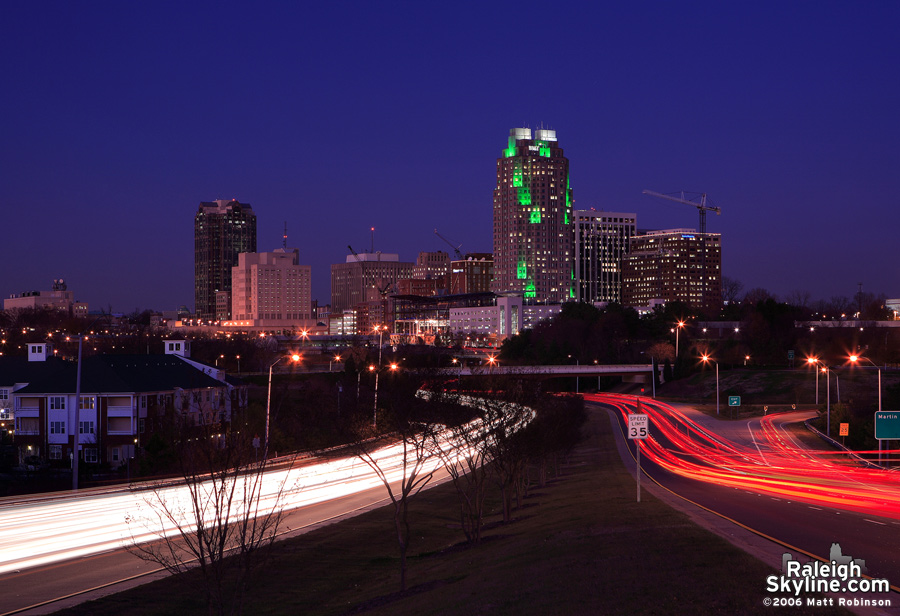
(533, 220)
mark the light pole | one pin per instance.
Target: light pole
(856, 358)
(377, 372)
(707, 359)
(337, 358)
(814, 361)
(294, 358)
(677, 330)
(380, 329)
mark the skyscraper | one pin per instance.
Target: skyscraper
(222, 230)
(601, 240)
(675, 264)
(533, 222)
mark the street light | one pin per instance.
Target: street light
(856, 358)
(294, 358)
(336, 358)
(380, 330)
(677, 329)
(377, 372)
(707, 359)
(813, 361)
(827, 371)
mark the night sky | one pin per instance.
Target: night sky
(119, 118)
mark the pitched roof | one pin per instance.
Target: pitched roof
(124, 374)
(19, 370)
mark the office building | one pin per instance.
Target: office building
(675, 264)
(366, 277)
(272, 289)
(601, 240)
(473, 274)
(533, 225)
(57, 298)
(433, 266)
(222, 230)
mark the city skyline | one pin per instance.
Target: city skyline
(120, 120)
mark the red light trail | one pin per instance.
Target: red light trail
(774, 465)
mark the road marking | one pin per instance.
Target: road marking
(816, 508)
(874, 521)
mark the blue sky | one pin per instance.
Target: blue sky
(118, 118)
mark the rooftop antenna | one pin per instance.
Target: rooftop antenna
(373, 240)
(284, 238)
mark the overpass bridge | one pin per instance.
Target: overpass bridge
(634, 373)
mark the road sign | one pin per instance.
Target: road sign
(790, 354)
(845, 429)
(734, 400)
(638, 426)
(887, 425)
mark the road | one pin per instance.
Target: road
(757, 474)
(73, 544)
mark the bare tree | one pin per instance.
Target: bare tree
(461, 450)
(505, 447)
(799, 299)
(731, 289)
(404, 469)
(216, 519)
(757, 295)
(838, 306)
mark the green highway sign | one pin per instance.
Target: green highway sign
(887, 425)
(734, 400)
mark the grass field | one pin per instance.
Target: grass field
(580, 545)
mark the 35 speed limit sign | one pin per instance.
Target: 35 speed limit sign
(638, 426)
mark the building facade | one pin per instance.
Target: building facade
(366, 277)
(272, 289)
(473, 274)
(222, 230)
(433, 266)
(533, 220)
(601, 240)
(675, 264)
(124, 399)
(57, 298)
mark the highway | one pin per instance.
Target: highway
(757, 474)
(55, 545)
(61, 549)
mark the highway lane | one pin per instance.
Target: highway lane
(112, 569)
(68, 543)
(812, 523)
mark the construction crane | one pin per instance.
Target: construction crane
(690, 199)
(459, 255)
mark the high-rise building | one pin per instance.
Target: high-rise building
(222, 230)
(533, 223)
(365, 278)
(601, 240)
(272, 289)
(675, 264)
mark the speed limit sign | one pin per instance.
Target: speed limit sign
(638, 426)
